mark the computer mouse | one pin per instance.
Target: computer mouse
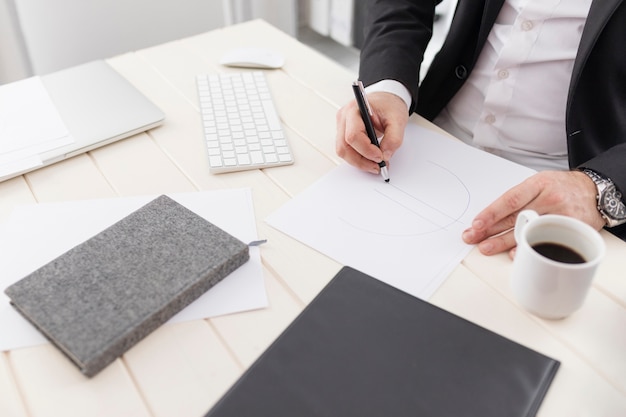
(253, 58)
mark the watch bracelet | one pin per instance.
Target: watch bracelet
(602, 183)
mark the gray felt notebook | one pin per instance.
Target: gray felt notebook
(100, 298)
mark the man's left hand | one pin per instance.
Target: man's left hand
(570, 193)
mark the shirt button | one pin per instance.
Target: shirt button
(490, 119)
(527, 25)
(503, 74)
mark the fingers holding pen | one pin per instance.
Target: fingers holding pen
(389, 116)
(352, 143)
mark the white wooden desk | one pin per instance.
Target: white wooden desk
(182, 369)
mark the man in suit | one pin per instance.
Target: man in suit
(540, 82)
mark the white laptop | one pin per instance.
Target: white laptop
(98, 106)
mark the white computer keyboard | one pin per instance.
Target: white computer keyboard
(241, 127)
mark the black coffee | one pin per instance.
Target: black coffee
(559, 253)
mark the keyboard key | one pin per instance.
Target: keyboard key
(257, 157)
(243, 159)
(215, 161)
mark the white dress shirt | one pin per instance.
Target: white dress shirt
(513, 104)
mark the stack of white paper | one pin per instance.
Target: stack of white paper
(29, 125)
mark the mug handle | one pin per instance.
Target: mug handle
(523, 218)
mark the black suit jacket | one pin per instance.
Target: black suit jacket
(397, 33)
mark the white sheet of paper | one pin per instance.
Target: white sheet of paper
(36, 234)
(29, 123)
(407, 232)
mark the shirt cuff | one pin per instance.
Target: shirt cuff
(393, 87)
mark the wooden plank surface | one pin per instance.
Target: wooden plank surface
(184, 368)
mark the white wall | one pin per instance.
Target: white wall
(41, 36)
(13, 60)
(62, 33)
(283, 14)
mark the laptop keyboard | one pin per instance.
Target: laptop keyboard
(241, 127)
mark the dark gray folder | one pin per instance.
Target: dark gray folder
(103, 296)
(363, 348)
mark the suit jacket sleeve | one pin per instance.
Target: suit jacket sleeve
(397, 33)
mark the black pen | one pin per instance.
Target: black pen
(366, 112)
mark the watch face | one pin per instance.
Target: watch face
(611, 203)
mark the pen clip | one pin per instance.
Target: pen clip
(367, 103)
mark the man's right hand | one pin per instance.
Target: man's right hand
(390, 118)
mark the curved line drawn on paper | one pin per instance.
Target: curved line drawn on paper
(432, 201)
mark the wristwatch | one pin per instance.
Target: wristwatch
(609, 199)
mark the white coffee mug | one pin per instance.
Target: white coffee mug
(555, 284)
